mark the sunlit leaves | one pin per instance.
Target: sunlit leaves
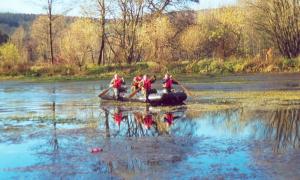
(9, 55)
(155, 37)
(80, 41)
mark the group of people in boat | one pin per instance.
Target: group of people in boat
(141, 83)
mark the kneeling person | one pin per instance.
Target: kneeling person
(146, 85)
(168, 83)
(136, 82)
(117, 83)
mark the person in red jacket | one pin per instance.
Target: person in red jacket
(136, 82)
(116, 83)
(146, 85)
(168, 82)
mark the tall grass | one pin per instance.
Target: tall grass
(202, 66)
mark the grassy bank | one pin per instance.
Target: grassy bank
(210, 67)
(258, 100)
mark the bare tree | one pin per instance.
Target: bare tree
(132, 16)
(51, 19)
(102, 11)
(280, 20)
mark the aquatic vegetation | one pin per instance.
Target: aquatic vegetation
(259, 99)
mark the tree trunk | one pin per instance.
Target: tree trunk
(103, 23)
(50, 3)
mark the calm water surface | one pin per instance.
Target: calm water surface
(48, 129)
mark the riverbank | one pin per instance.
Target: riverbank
(189, 78)
(191, 68)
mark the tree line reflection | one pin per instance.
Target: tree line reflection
(280, 126)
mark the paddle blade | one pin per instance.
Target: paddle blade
(134, 93)
(184, 89)
(104, 92)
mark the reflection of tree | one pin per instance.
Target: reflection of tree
(284, 127)
(54, 141)
(281, 126)
(107, 133)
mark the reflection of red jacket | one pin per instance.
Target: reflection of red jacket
(169, 118)
(148, 121)
(118, 118)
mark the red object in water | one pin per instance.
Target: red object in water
(118, 118)
(96, 150)
(148, 121)
(169, 118)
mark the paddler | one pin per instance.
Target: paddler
(116, 83)
(168, 82)
(136, 82)
(146, 85)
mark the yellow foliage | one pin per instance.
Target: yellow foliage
(191, 38)
(40, 35)
(80, 41)
(9, 55)
(155, 36)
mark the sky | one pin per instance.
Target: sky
(35, 6)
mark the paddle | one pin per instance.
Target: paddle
(134, 93)
(137, 90)
(104, 92)
(184, 89)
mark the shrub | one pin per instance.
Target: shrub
(9, 56)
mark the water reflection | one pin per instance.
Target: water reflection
(141, 122)
(283, 127)
(280, 126)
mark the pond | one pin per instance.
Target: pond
(49, 129)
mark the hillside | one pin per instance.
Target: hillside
(9, 22)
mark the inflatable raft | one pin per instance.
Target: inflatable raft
(158, 99)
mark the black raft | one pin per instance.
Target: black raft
(158, 99)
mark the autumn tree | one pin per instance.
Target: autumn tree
(155, 38)
(79, 45)
(18, 38)
(217, 33)
(41, 39)
(9, 56)
(133, 15)
(54, 10)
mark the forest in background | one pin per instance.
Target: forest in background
(129, 36)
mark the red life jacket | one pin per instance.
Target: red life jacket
(147, 84)
(168, 83)
(118, 118)
(169, 118)
(148, 121)
(137, 80)
(117, 83)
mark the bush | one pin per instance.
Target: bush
(287, 64)
(9, 56)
